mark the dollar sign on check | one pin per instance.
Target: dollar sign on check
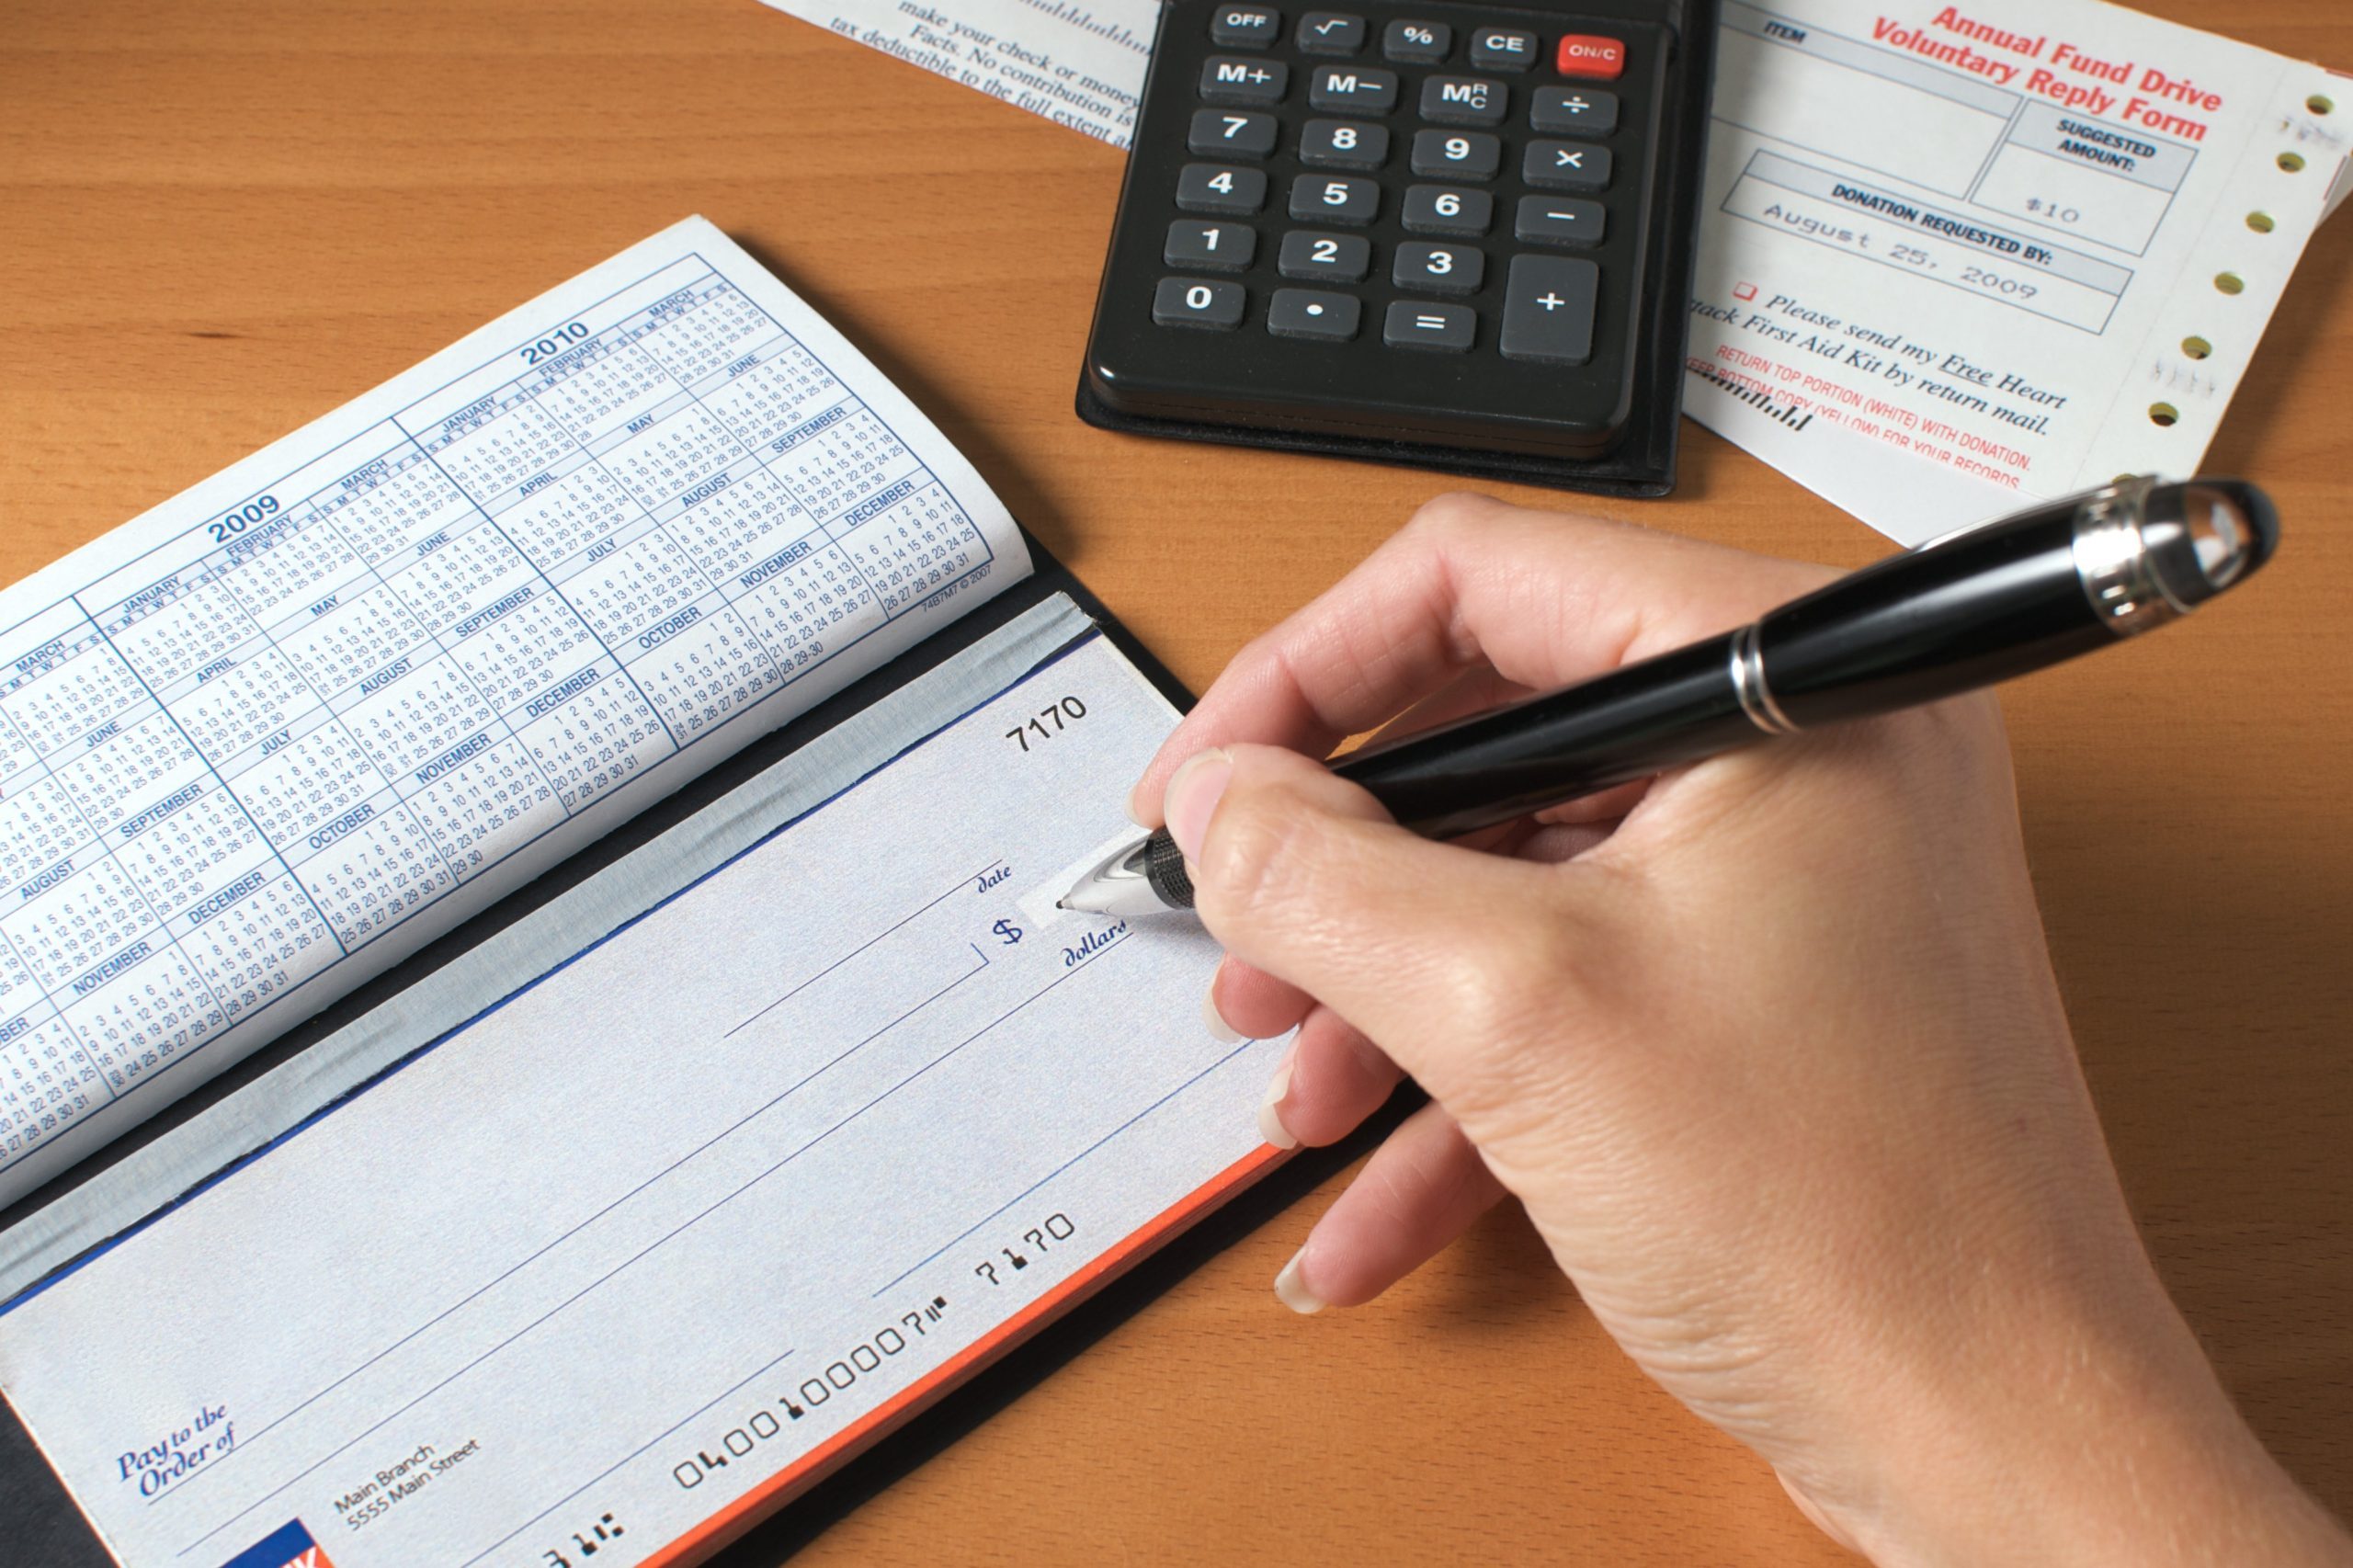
(1008, 931)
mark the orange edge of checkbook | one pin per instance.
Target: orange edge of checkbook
(738, 1517)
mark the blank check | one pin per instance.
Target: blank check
(660, 1237)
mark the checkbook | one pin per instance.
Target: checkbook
(534, 1028)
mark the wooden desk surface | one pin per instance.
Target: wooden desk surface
(218, 222)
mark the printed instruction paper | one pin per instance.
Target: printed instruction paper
(1956, 258)
(1077, 63)
(288, 727)
(673, 1228)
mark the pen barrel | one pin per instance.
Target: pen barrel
(1612, 730)
(1978, 609)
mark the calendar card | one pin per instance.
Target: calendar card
(265, 740)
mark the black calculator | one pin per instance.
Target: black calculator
(1452, 234)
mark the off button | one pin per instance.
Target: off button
(1591, 55)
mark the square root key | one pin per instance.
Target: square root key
(1330, 32)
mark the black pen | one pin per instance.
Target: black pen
(1975, 608)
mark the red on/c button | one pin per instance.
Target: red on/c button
(1589, 55)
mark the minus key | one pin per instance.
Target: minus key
(1558, 220)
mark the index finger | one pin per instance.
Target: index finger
(1546, 598)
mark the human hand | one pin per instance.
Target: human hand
(1770, 1051)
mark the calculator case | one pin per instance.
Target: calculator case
(38, 1521)
(1363, 399)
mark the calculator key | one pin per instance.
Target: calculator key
(1547, 309)
(1463, 101)
(1358, 87)
(1311, 313)
(1417, 43)
(1584, 111)
(1441, 210)
(1239, 26)
(1589, 55)
(1344, 144)
(1557, 221)
(1457, 154)
(1220, 247)
(1221, 188)
(1234, 131)
(1196, 301)
(1334, 258)
(1442, 270)
(1324, 198)
(1330, 32)
(1503, 49)
(1236, 79)
(1447, 328)
(1565, 165)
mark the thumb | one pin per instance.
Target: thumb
(1445, 957)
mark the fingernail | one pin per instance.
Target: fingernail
(1292, 1291)
(1193, 795)
(1214, 1022)
(1270, 1121)
(1134, 810)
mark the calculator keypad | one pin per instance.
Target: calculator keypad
(1398, 179)
(1549, 302)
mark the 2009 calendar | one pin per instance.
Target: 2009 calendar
(273, 736)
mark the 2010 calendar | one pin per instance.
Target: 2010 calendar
(279, 732)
